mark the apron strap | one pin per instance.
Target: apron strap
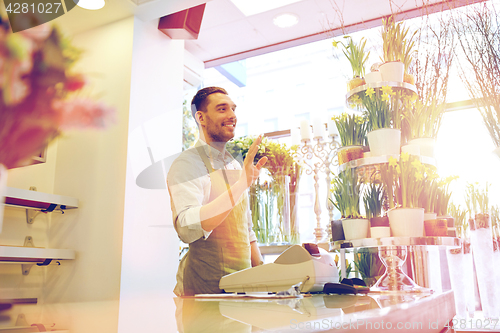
(208, 165)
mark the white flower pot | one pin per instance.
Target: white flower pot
(426, 146)
(355, 228)
(3, 190)
(373, 77)
(392, 71)
(380, 232)
(407, 222)
(412, 149)
(384, 141)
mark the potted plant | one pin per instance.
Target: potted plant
(403, 180)
(369, 265)
(352, 132)
(346, 198)
(422, 121)
(382, 138)
(373, 201)
(397, 50)
(357, 57)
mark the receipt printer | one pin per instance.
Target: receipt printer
(312, 266)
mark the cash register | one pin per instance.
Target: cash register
(307, 264)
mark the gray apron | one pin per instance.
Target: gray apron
(226, 250)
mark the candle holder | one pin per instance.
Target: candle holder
(318, 156)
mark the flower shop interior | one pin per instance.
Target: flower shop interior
(87, 242)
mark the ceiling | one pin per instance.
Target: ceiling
(227, 35)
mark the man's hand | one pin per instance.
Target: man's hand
(251, 171)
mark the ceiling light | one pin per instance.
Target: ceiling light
(90, 4)
(259, 6)
(286, 20)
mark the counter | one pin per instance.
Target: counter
(318, 313)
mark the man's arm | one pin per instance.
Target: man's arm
(256, 255)
(213, 213)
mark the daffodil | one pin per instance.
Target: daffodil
(405, 157)
(385, 97)
(393, 161)
(355, 99)
(387, 90)
(369, 92)
(416, 164)
(418, 176)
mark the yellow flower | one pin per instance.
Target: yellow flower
(355, 99)
(418, 176)
(416, 164)
(393, 161)
(398, 169)
(385, 97)
(405, 157)
(369, 92)
(334, 43)
(387, 90)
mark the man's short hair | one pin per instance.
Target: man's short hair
(199, 102)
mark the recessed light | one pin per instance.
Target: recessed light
(90, 4)
(286, 20)
(252, 7)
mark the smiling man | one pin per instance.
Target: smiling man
(208, 193)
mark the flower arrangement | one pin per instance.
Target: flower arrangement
(352, 129)
(346, 193)
(460, 219)
(477, 202)
(39, 92)
(369, 265)
(356, 55)
(403, 181)
(443, 196)
(429, 196)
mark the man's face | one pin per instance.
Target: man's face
(219, 121)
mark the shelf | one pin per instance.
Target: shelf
(20, 198)
(376, 85)
(367, 161)
(23, 254)
(396, 241)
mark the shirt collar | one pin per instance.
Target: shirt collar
(211, 151)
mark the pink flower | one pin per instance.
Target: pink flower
(83, 113)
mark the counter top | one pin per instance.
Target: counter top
(318, 313)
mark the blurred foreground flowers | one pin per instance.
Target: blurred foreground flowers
(39, 92)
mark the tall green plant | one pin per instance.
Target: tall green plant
(460, 219)
(346, 193)
(356, 55)
(377, 109)
(396, 46)
(352, 129)
(373, 200)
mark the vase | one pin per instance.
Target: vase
(3, 192)
(379, 227)
(482, 251)
(373, 77)
(392, 71)
(270, 207)
(355, 228)
(407, 222)
(349, 153)
(384, 141)
(426, 146)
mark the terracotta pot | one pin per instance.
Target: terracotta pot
(355, 82)
(409, 78)
(349, 153)
(430, 216)
(436, 227)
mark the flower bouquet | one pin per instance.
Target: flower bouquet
(273, 198)
(39, 94)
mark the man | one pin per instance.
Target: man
(208, 191)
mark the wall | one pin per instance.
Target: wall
(150, 244)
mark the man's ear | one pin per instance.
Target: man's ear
(200, 117)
